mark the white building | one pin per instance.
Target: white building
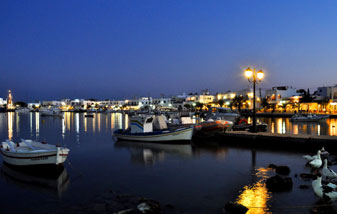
(282, 94)
(2, 102)
(34, 105)
(326, 92)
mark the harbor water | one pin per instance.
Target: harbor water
(191, 178)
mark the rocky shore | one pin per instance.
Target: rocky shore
(116, 203)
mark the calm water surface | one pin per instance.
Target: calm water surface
(196, 179)
(284, 126)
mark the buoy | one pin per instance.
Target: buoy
(242, 121)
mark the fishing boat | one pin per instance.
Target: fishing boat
(153, 129)
(29, 152)
(308, 118)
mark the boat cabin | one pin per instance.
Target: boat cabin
(147, 124)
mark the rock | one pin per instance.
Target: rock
(235, 208)
(282, 170)
(272, 166)
(278, 183)
(148, 206)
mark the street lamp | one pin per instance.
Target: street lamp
(254, 77)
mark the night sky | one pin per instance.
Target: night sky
(121, 49)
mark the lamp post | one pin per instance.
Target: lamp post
(254, 77)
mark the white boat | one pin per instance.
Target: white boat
(22, 110)
(50, 112)
(28, 152)
(217, 113)
(153, 129)
(308, 118)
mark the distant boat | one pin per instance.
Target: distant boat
(22, 110)
(28, 152)
(217, 113)
(50, 112)
(308, 118)
(153, 129)
(89, 115)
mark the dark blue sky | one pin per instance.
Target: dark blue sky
(120, 49)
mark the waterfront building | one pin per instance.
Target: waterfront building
(162, 103)
(2, 102)
(53, 103)
(179, 101)
(33, 105)
(204, 98)
(246, 100)
(325, 99)
(283, 98)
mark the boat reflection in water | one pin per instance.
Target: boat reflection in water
(149, 153)
(53, 181)
(256, 196)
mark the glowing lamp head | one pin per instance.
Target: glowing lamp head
(260, 75)
(248, 72)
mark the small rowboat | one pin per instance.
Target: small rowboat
(28, 152)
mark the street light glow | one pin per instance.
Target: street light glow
(248, 72)
(260, 75)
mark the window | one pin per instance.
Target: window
(149, 120)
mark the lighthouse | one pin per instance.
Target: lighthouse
(10, 106)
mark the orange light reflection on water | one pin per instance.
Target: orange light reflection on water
(256, 196)
(10, 117)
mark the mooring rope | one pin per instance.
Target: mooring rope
(81, 174)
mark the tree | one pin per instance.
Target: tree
(199, 106)
(324, 103)
(187, 106)
(265, 103)
(221, 102)
(306, 97)
(238, 101)
(21, 104)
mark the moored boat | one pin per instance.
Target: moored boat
(216, 113)
(28, 152)
(50, 112)
(212, 127)
(308, 118)
(153, 129)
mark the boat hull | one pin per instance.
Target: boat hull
(177, 135)
(37, 158)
